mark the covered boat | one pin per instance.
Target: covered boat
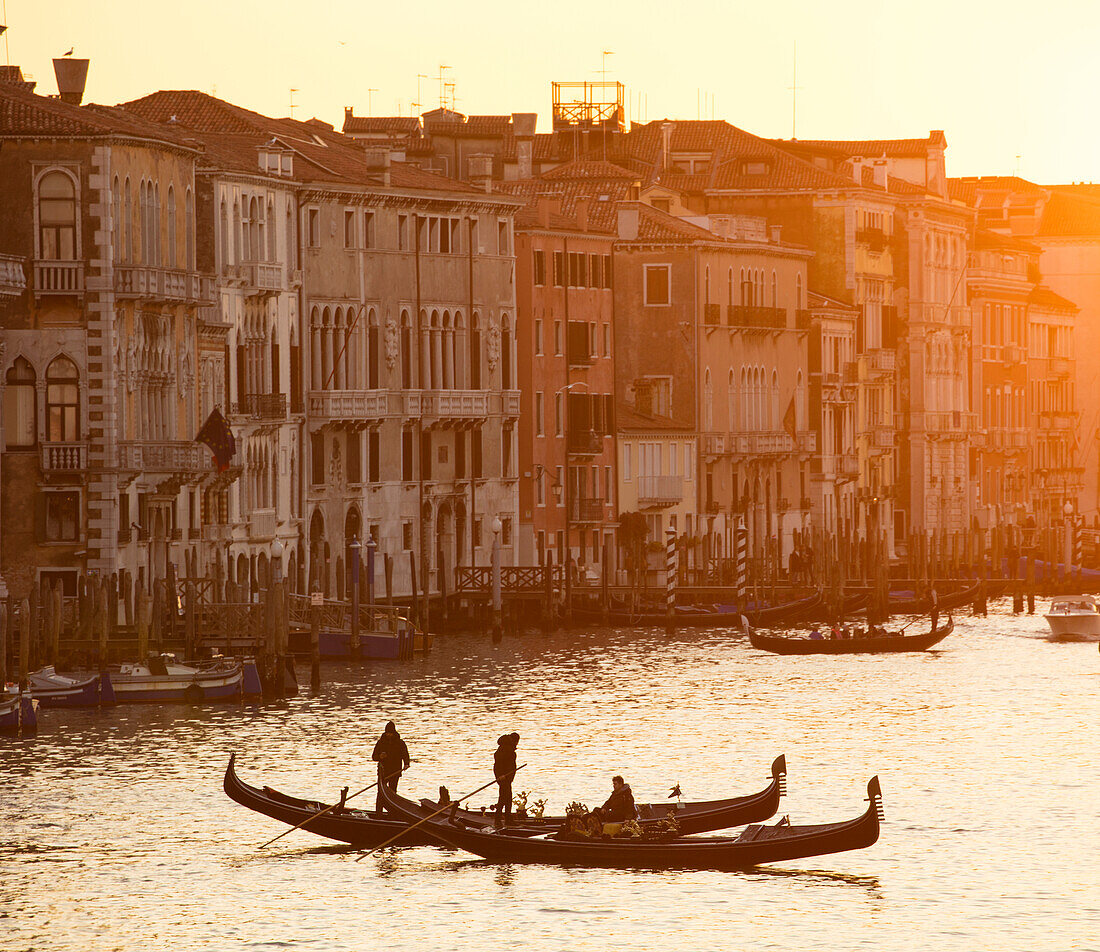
(881, 644)
(18, 711)
(368, 828)
(756, 844)
(59, 690)
(1074, 618)
(688, 617)
(162, 678)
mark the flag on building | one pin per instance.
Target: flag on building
(215, 433)
(789, 420)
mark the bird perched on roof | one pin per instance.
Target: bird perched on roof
(70, 53)
(675, 792)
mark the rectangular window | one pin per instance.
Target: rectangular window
(687, 461)
(460, 454)
(355, 458)
(608, 495)
(606, 272)
(477, 533)
(539, 422)
(475, 453)
(317, 459)
(402, 232)
(657, 284)
(349, 228)
(558, 414)
(368, 229)
(506, 531)
(406, 535)
(373, 457)
(594, 271)
(60, 516)
(559, 269)
(558, 496)
(426, 455)
(503, 246)
(557, 338)
(313, 227)
(626, 462)
(540, 489)
(407, 455)
(506, 452)
(607, 340)
(538, 336)
(539, 266)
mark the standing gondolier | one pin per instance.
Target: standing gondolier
(393, 757)
(504, 769)
(935, 599)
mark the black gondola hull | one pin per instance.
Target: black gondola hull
(893, 644)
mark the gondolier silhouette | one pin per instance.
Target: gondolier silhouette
(393, 757)
(935, 598)
(504, 769)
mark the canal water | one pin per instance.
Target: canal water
(115, 832)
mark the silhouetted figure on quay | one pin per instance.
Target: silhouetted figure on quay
(504, 769)
(393, 758)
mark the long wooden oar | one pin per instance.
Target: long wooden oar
(324, 811)
(443, 809)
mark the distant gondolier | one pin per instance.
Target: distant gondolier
(393, 757)
(935, 599)
(504, 769)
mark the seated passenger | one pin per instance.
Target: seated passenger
(816, 635)
(620, 805)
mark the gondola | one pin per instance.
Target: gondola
(690, 618)
(923, 605)
(755, 845)
(777, 644)
(368, 828)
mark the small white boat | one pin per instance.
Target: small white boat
(165, 679)
(57, 690)
(1074, 618)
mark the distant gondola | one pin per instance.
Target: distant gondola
(884, 644)
(368, 828)
(700, 618)
(753, 846)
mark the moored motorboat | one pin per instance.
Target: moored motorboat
(368, 828)
(755, 845)
(58, 690)
(889, 643)
(18, 711)
(1074, 618)
(162, 678)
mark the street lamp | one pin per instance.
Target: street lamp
(355, 547)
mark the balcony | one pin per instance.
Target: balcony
(1061, 367)
(950, 424)
(125, 534)
(584, 443)
(262, 406)
(69, 457)
(217, 533)
(261, 524)
(348, 406)
(873, 238)
(805, 503)
(655, 491)
(761, 443)
(442, 405)
(263, 276)
(847, 467)
(586, 511)
(765, 318)
(712, 314)
(881, 362)
(802, 318)
(1014, 354)
(714, 444)
(883, 437)
(59, 277)
(138, 282)
(510, 403)
(13, 281)
(166, 456)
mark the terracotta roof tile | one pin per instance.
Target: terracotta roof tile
(868, 148)
(396, 125)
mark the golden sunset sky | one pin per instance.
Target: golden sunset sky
(1011, 83)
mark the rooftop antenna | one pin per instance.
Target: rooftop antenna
(603, 68)
(4, 30)
(293, 90)
(441, 90)
(1017, 166)
(794, 93)
(370, 89)
(451, 88)
(419, 104)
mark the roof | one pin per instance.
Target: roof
(985, 189)
(816, 299)
(584, 169)
(985, 240)
(1068, 214)
(396, 125)
(870, 148)
(1045, 297)
(22, 114)
(232, 134)
(628, 417)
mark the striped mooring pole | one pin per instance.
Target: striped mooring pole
(741, 545)
(672, 564)
(1078, 546)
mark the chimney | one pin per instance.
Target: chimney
(480, 167)
(881, 175)
(666, 142)
(581, 211)
(628, 222)
(523, 128)
(71, 75)
(378, 160)
(545, 207)
(857, 169)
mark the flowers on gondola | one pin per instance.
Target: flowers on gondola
(533, 810)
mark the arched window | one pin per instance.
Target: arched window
(20, 412)
(158, 259)
(731, 402)
(475, 352)
(775, 290)
(730, 290)
(708, 402)
(62, 401)
(116, 222)
(773, 416)
(798, 291)
(799, 404)
(252, 230)
(172, 262)
(374, 352)
(506, 381)
(406, 351)
(128, 225)
(56, 217)
(269, 224)
(189, 229)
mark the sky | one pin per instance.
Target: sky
(1012, 84)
